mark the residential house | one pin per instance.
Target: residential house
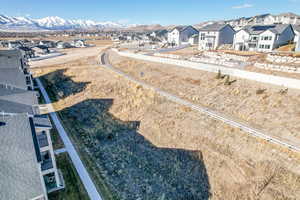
(194, 39)
(237, 23)
(284, 18)
(51, 175)
(27, 134)
(214, 35)
(245, 21)
(41, 49)
(14, 44)
(14, 69)
(20, 172)
(181, 34)
(78, 43)
(297, 48)
(63, 45)
(297, 34)
(161, 35)
(263, 38)
(28, 51)
(47, 43)
(258, 19)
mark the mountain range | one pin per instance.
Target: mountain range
(54, 23)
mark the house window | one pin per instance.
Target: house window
(261, 46)
(266, 38)
(202, 36)
(270, 37)
(267, 46)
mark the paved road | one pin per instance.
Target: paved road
(213, 114)
(81, 170)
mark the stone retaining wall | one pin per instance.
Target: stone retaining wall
(282, 59)
(225, 56)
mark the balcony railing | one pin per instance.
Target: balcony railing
(46, 164)
(43, 140)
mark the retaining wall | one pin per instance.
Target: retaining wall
(264, 78)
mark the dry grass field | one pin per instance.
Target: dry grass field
(139, 145)
(272, 110)
(189, 51)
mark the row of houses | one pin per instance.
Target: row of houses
(265, 19)
(263, 38)
(78, 43)
(26, 153)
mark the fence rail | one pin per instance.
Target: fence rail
(211, 113)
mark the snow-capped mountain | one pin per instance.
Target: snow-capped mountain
(54, 23)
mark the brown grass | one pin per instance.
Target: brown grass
(289, 47)
(238, 166)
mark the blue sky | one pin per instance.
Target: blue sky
(147, 11)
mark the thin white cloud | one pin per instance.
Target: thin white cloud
(245, 5)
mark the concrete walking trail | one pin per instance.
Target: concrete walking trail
(211, 113)
(81, 170)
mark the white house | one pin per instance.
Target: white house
(181, 34)
(63, 45)
(297, 49)
(214, 35)
(297, 35)
(283, 18)
(161, 35)
(194, 39)
(263, 38)
(78, 43)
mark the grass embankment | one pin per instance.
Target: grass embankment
(74, 190)
(87, 159)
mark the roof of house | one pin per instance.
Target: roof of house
(213, 27)
(15, 107)
(258, 29)
(9, 62)
(181, 28)
(13, 77)
(289, 14)
(12, 52)
(296, 28)
(42, 47)
(16, 100)
(19, 171)
(25, 48)
(18, 95)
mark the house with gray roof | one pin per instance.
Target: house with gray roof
(13, 62)
(16, 100)
(180, 35)
(214, 35)
(263, 38)
(20, 160)
(32, 180)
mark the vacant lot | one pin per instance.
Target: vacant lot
(139, 145)
(269, 108)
